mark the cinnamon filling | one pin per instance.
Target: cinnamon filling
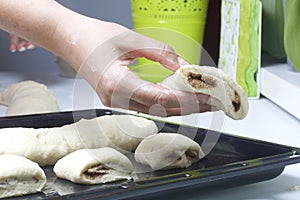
(96, 171)
(191, 155)
(236, 102)
(200, 80)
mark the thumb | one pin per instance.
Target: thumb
(158, 52)
(164, 54)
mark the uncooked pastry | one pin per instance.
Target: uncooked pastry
(214, 82)
(94, 166)
(19, 176)
(125, 132)
(28, 97)
(46, 145)
(27, 143)
(167, 151)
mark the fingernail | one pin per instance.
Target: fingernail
(12, 50)
(182, 62)
(31, 46)
(215, 102)
(22, 49)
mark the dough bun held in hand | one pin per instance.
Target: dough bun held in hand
(94, 166)
(214, 82)
(19, 176)
(168, 151)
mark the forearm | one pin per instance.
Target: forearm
(98, 50)
(45, 23)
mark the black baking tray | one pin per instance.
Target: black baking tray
(233, 161)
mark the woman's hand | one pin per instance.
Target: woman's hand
(18, 44)
(105, 67)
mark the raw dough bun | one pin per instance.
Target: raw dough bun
(26, 142)
(122, 132)
(94, 166)
(125, 132)
(28, 97)
(19, 176)
(167, 151)
(214, 82)
(46, 145)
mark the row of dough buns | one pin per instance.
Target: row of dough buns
(159, 151)
(46, 145)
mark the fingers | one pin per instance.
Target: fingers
(131, 45)
(14, 41)
(151, 94)
(159, 110)
(120, 88)
(154, 99)
(189, 110)
(16, 44)
(163, 54)
(142, 46)
(25, 45)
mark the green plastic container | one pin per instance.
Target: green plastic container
(178, 23)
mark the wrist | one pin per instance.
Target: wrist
(72, 45)
(80, 35)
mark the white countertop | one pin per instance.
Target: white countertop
(265, 121)
(280, 81)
